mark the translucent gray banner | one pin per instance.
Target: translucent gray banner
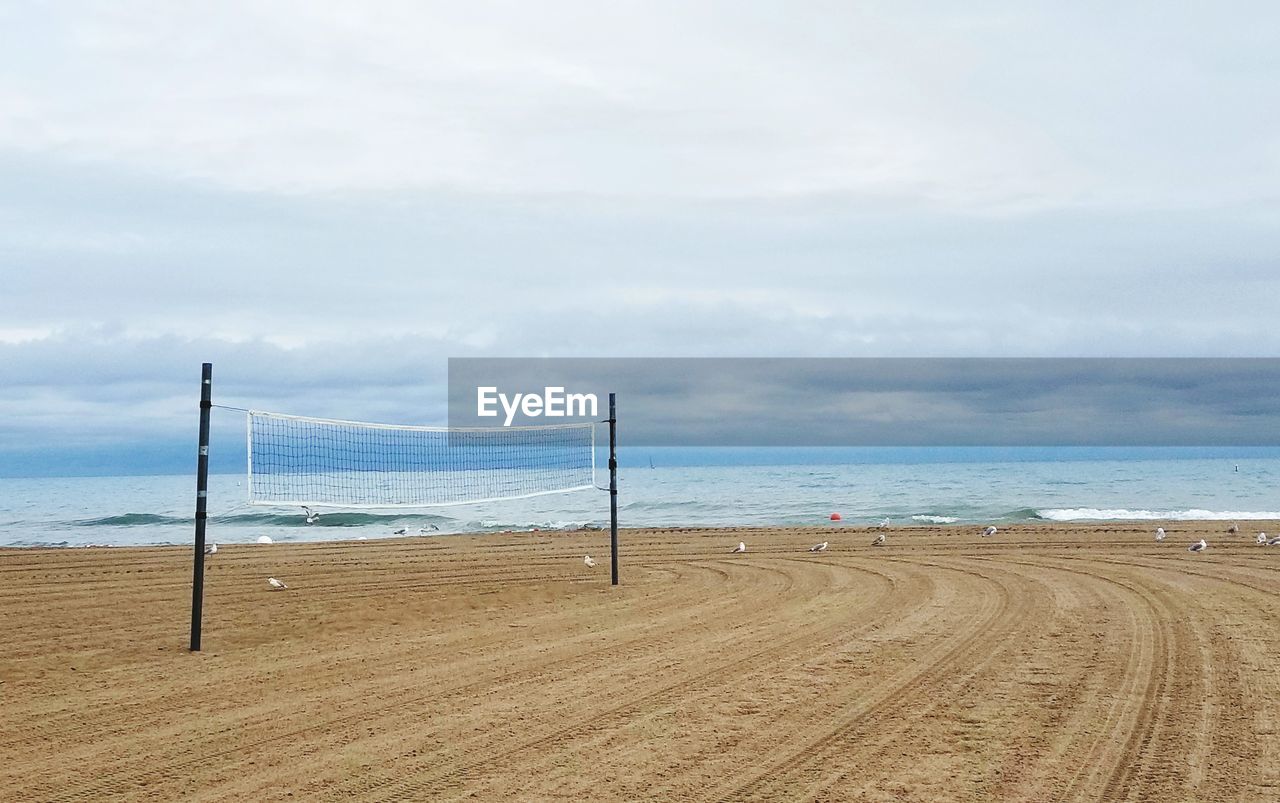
(883, 402)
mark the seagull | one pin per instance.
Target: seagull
(1262, 539)
(884, 524)
(819, 547)
(1234, 528)
(741, 547)
(1159, 533)
(264, 539)
(879, 540)
(276, 584)
(312, 518)
(401, 531)
(1199, 546)
(988, 531)
(1274, 541)
(591, 564)
(211, 549)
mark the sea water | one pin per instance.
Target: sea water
(708, 488)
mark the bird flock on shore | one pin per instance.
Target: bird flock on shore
(1201, 545)
(881, 539)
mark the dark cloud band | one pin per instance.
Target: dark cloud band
(904, 402)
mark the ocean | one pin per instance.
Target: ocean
(691, 488)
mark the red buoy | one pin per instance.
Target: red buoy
(835, 517)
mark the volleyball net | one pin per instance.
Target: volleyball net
(317, 462)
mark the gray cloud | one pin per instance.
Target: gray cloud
(905, 401)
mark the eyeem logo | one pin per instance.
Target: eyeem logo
(553, 402)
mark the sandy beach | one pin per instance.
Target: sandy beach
(1049, 662)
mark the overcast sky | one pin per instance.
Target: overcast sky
(327, 200)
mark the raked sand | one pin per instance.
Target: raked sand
(1046, 663)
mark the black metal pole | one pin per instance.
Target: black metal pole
(613, 484)
(202, 498)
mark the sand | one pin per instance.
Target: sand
(1046, 663)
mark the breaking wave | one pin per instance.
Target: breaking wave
(1122, 513)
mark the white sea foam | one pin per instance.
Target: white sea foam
(499, 524)
(1194, 514)
(936, 519)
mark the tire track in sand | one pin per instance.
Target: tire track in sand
(423, 782)
(982, 634)
(52, 784)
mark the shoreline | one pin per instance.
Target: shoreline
(1205, 527)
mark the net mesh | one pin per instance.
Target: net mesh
(319, 462)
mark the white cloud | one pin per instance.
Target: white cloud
(1027, 109)
(339, 195)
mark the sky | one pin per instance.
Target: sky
(328, 200)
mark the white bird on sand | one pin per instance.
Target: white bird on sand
(1159, 533)
(1261, 539)
(264, 539)
(1199, 546)
(741, 547)
(312, 518)
(401, 531)
(276, 584)
(884, 524)
(591, 564)
(879, 540)
(1234, 528)
(819, 547)
(988, 531)
(1274, 541)
(211, 549)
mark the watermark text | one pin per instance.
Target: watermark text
(553, 402)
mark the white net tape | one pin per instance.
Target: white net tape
(319, 462)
